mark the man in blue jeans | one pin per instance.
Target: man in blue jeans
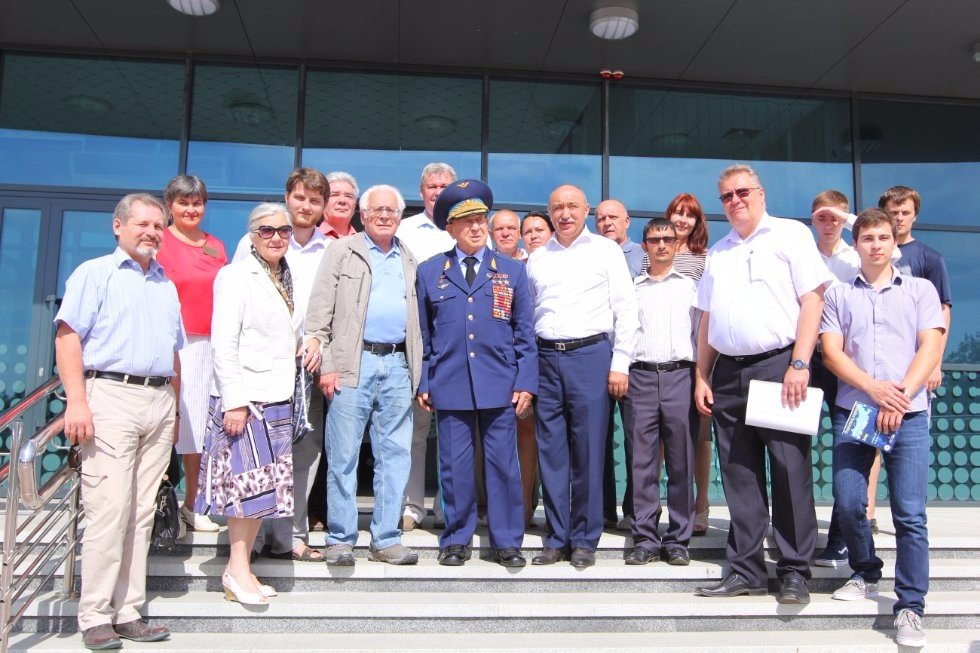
(882, 337)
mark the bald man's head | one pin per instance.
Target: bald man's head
(505, 231)
(612, 220)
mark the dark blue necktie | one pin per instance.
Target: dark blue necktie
(470, 262)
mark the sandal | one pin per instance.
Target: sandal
(309, 554)
(701, 523)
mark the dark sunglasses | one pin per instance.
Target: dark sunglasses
(266, 232)
(666, 240)
(741, 192)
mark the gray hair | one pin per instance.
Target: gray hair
(366, 197)
(739, 169)
(340, 175)
(516, 217)
(437, 168)
(124, 209)
(265, 210)
(185, 186)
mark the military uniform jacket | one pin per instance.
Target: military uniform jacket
(477, 343)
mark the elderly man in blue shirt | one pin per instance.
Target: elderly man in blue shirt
(119, 330)
(365, 316)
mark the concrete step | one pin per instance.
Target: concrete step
(806, 641)
(494, 612)
(199, 573)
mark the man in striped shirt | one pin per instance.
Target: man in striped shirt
(658, 407)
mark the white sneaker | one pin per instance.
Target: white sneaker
(910, 632)
(856, 589)
(196, 522)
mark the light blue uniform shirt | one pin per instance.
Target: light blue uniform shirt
(479, 260)
(387, 310)
(129, 322)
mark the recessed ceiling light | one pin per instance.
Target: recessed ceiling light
(94, 106)
(195, 7)
(250, 113)
(435, 123)
(614, 23)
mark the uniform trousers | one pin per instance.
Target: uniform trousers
(572, 413)
(742, 453)
(497, 429)
(658, 409)
(121, 471)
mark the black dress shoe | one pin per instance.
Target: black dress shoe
(582, 558)
(454, 555)
(676, 555)
(548, 556)
(792, 589)
(733, 585)
(510, 557)
(639, 556)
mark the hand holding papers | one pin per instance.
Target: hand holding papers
(765, 408)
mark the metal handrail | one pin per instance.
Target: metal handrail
(23, 547)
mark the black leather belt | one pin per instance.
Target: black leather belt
(661, 367)
(571, 345)
(384, 348)
(755, 358)
(132, 379)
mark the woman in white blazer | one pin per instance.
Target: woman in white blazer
(247, 467)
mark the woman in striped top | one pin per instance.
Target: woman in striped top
(684, 212)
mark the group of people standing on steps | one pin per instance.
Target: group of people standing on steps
(520, 355)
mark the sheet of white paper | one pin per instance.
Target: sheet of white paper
(765, 409)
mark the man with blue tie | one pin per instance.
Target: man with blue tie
(479, 372)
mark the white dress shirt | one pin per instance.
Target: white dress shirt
(668, 319)
(582, 290)
(844, 263)
(423, 238)
(751, 287)
(303, 262)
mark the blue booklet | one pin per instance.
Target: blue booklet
(860, 426)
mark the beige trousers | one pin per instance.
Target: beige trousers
(121, 471)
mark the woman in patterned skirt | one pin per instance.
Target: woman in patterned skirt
(247, 466)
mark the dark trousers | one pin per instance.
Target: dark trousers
(497, 428)
(824, 379)
(609, 494)
(658, 409)
(572, 414)
(742, 453)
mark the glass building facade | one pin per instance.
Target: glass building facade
(76, 132)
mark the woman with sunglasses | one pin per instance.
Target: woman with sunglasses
(191, 258)
(247, 468)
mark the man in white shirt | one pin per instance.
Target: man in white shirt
(424, 239)
(658, 409)
(306, 192)
(761, 297)
(585, 318)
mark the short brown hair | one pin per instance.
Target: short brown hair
(830, 197)
(898, 195)
(872, 218)
(311, 179)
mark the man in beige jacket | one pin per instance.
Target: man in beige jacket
(364, 313)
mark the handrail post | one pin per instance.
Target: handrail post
(69, 573)
(10, 532)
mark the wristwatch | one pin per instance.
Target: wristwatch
(799, 364)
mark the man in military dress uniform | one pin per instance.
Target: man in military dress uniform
(479, 371)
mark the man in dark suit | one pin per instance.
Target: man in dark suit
(479, 371)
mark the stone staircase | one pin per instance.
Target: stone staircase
(482, 606)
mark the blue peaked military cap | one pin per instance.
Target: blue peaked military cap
(461, 199)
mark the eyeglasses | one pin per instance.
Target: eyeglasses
(378, 211)
(741, 192)
(666, 240)
(266, 232)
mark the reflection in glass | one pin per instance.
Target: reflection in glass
(18, 264)
(384, 129)
(84, 235)
(934, 148)
(542, 135)
(228, 221)
(665, 142)
(243, 127)
(960, 252)
(95, 122)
